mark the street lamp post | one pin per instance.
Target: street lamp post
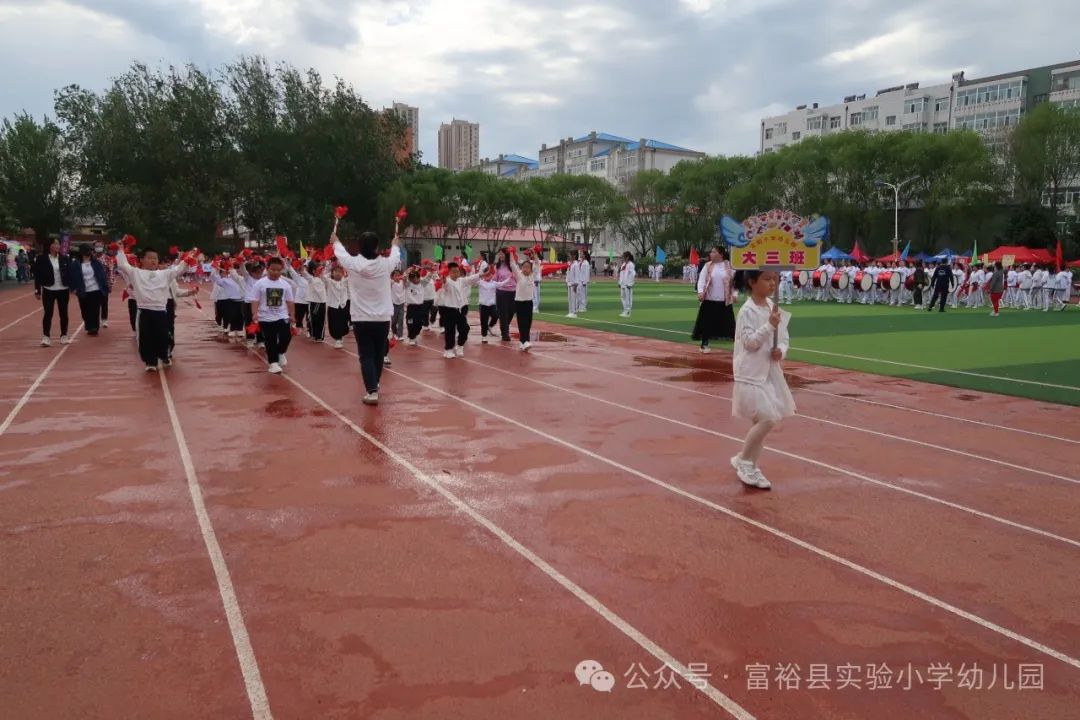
(896, 210)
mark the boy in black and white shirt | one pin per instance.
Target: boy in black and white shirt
(273, 305)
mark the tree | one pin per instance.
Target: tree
(1044, 152)
(650, 200)
(34, 185)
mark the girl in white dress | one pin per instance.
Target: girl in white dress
(761, 393)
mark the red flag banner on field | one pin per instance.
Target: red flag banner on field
(1059, 257)
(282, 245)
(694, 257)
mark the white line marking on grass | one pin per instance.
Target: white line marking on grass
(35, 385)
(245, 655)
(821, 552)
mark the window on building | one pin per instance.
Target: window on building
(916, 105)
(834, 122)
(870, 113)
(796, 135)
(813, 123)
(914, 127)
(768, 133)
(941, 128)
(781, 128)
(855, 119)
(890, 119)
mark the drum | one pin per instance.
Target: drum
(840, 280)
(863, 281)
(819, 278)
(909, 282)
(953, 285)
(889, 280)
(800, 278)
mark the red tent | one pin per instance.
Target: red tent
(1073, 264)
(891, 257)
(1020, 254)
(858, 255)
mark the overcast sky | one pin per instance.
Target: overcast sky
(697, 73)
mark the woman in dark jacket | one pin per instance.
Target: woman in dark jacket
(91, 284)
(51, 272)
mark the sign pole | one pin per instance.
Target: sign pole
(776, 298)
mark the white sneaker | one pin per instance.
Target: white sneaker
(484, 340)
(282, 360)
(260, 346)
(449, 354)
(744, 469)
(526, 345)
(65, 340)
(624, 314)
(571, 315)
(459, 351)
(993, 314)
(387, 362)
(371, 399)
(760, 480)
(274, 369)
(338, 344)
(706, 350)
(150, 368)
(167, 363)
(46, 342)
(104, 323)
(250, 343)
(413, 342)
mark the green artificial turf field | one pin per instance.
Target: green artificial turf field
(1030, 354)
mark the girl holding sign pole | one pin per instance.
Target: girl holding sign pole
(761, 393)
(627, 275)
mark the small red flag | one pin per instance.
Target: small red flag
(252, 328)
(402, 213)
(129, 241)
(282, 244)
(341, 211)
(694, 258)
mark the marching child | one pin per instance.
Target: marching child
(250, 274)
(312, 272)
(273, 305)
(337, 305)
(489, 314)
(397, 296)
(761, 393)
(429, 305)
(627, 273)
(415, 307)
(300, 291)
(453, 302)
(230, 300)
(523, 298)
(150, 288)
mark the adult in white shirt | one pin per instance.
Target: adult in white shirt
(627, 275)
(51, 271)
(1062, 287)
(1024, 279)
(716, 317)
(370, 303)
(573, 288)
(584, 275)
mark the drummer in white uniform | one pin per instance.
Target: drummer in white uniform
(1012, 287)
(787, 287)
(851, 271)
(958, 282)
(1024, 280)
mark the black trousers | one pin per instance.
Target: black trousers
(90, 308)
(338, 319)
(58, 299)
(524, 317)
(916, 294)
(133, 314)
(414, 319)
(942, 292)
(397, 324)
(232, 315)
(488, 318)
(456, 327)
(317, 320)
(219, 315)
(505, 303)
(104, 306)
(153, 329)
(277, 337)
(372, 344)
(170, 310)
(429, 312)
(301, 314)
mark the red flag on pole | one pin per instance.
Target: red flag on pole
(1059, 256)
(694, 258)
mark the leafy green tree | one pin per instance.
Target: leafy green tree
(35, 189)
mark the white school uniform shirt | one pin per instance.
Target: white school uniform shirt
(397, 292)
(572, 274)
(753, 335)
(1037, 279)
(1013, 278)
(337, 292)
(526, 289)
(300, 287)
(718, 286)
(227, 288)
(488, 289)
(58, 278)
(958, 275)
(272, 296)
(429, 291)
(1064, 278)
(1024, 279)
(89, 281)
(455, 293)
(414, 292)
(150, 288)
(316, 288)
(627, 274)
(369, 284)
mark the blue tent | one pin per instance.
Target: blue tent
(835, 253)
(945, 255)
(923, 257)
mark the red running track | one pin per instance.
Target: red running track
(219, 542)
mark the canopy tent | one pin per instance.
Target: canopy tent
(922, 256)
(945, 255)
(858, 255)
(835, 253)
(1073, 264)
(891, 257)
(1019, 253)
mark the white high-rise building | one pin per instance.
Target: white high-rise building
(411, 116)
(459, 145)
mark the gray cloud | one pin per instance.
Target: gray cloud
(691, 72)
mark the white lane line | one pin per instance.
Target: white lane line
(16, 322)
(821, 552)
(729, 705)
(876, 403)
(35, 385)
(685, 334)
(793, 456)
(249, 667)
(888, 436)
(18, 299)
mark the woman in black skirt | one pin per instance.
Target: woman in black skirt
(715, 291)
